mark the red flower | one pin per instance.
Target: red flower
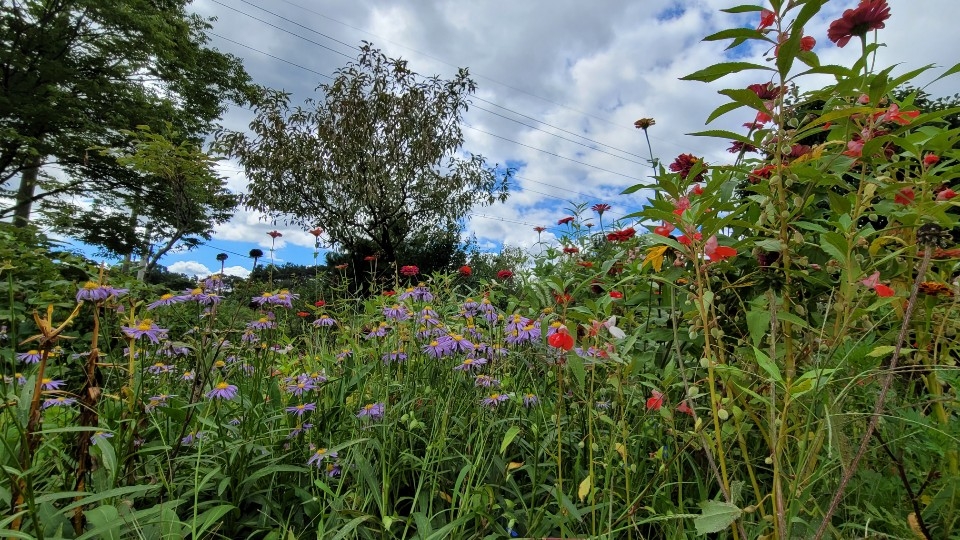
(585, 264)
(275, 234)
(409, 270)
(316, 232)
(765, 91)
(763, 173)
(571, 249)
(466, 271)
(564, 298)
(504, 274)
(767, 18)
(762, 118)
(684, 408)
(883, 290)
(370, 258)
(930, 159)
(873, 282)
(664, 229)
(736, 147)
(680, 205)
(539, 229)
(302, 314)
(684, 164)
(946, 194)
(341, 266)
(867, 16)
(893, 114)
(622, 235)
(566, 220)
(854, 148)
(388, 293)
(655, 401)
(716, 252)
(561, 339)
(320, 303)
(807, 43)
(600, 208)
(905, 196)
(616, 295)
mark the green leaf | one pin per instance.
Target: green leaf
(722, 134)
(211, 517)
(770, 244)
(947, 73)
(742, 9)
(881, 351)
(509, 437)
(747, 97)
(716, 71)
(734, 33)
(834, 245)
(576, 367)
(767, 365)
(758, 324)
(722, 110)
(715, 516)
(584, 489)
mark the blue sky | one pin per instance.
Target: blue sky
(560, 84)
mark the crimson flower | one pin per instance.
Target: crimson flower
(893, 114)
(600, 208)
(504, 274)
(807, 43)
(664, 229)
(869, 15)
(765, 91)
(762, 118)
(370, 258)
(571, 249)
(466, 271)
(616, 295)
(767, 18)
(622, 235)
(316, 232)
(685, 240)
(275, 234)
(946, 194)
(561, 339)
(737, 146)
(409, 270)
(566, 220)
(930, 159)
(655, 401)
(716, 252)
(684, 164)
(905, 196)
(697, 190)
(320, 303)
(539, 229)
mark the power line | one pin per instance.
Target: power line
(270, 55)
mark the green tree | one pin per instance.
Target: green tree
(76, 73)
(378, 161)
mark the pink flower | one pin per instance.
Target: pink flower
(684, 408)
(893, 114)
(664, 229)
(716, 252)
(946, 194)
(409, 270)
(869, 15)
(873, 282)
(680, 205)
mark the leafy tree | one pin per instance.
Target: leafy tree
(376, 163)
(178, 200)
(76, 73)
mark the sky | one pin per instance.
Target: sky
(560, 84)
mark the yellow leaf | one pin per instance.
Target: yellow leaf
(514, 465)
(446, 497)
(655, 257)
(584, 488)
(622, 450)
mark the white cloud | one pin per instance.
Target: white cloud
(199, 270)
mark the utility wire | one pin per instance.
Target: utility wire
(270, 55)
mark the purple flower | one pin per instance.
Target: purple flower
(486, 381)
(394, 356)
(529, 400)
(159, 367)
(373, 411)
(324, 320)
(300, 385)
(301, 428)
(380, 331)
(435, 350)
(51, 384)
(344, 353)
(456, 342)
(283, 298)
(165, 300)
(30, 357)
(156, 401)
(222, 390)
(319, 456)
(602, 405)
(145, 328)
(471, 363)
(494, 399)
(249, 336)
(302, 408)
(199, 296)
(263, 323)
(100, 436)
(94, 292)
(191, 437)
(469, 307)
(16, 377)
(333, 470)
(188, 376)
(57, 402)
(396, 312)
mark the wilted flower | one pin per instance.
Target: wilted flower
(644, 123)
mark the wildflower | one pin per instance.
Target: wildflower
(263, 323)
(341, 266)
(380, 331)
(905, 196)
(585, 264)
(946, 194)
(31, 357)
(504, 275)
(600, 208)
(147, 328)
(159, 368)
(494, 399)
(301, 385)
(51, 384)
(301, 428)
(396, 313)
(486, 381)
(529, 400)
(16, 377)
(873, 282)
(697, 190)
(716, 252)
(737, 146)
(320, 455)
(95, 292)
(222, 390)
(465, 271)
(644, 123)
(370, 258)
(319, 303)
(767, 19)
(100, 436)
(389, 293)
(561, 339)
(188, 376)
(192, 437)
(602, 405)
(570, 250)
(409, 270)
(302, 314)
(765, 91)
(470, 363)
(333, 470)
(324, 320)
(302, 408)
(684, 408)
(275, 234)
(655, 401)
(933, 288)
(684, 164)
(373, 411)
(616, 295)
(58, 402)
(566, 221)
(664, 229)
(394, 356)
(930, 159)
(869, 15)
(854, 148)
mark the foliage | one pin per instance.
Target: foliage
(376, 163)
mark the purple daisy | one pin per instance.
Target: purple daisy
(394, 356)
(373, 411)
(300, 385)
(470, 363)
(222, 390)
(396, 312)
(325, 320)
(300, 429)
(147, 328)
(494, 399)
(263, 323)
(320, 455)
(31, 357)
(191, 437)
(165, 300)
(58, 402)
(529, 400)
(51, 384)
(94, 292)
(486, 381)
(100, 436)
(302, 408)
(159, 367)
(435, 350)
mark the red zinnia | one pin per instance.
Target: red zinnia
(655, 401)
(867, 16)
(275, 234)
(571, 249)
(409, 270)
(684, 164)
(561, 339)
(621, 235)
(466, 271)
(566, 220)
(370, 258)
(341, 266)
(504, 274)
(600, 208)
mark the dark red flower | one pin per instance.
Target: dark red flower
(600, 208)
(655, 401)
(275, 234)
(409, 270)
(765, 91)
(763, 173)
(571, 249)
(799, 150)
(767, 19)
(616, 295)
(807, 43)
(566, 220)
(564, 298)
(504, 274)
(905, 196)
(930, 159)
(684, 164)
(302, 314)
(622, 235)
(539, 229)
(736, 147)
(561, 339)
(320, 303)
(466, 271)
(370, 258)
(867, 16)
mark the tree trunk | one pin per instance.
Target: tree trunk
(24, 202)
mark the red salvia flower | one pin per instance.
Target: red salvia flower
(869, 15)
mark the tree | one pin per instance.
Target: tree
(377, 161)
(77, 73)
(178, 200)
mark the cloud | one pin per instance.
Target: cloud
(199, 270)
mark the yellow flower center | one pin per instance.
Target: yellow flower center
(167, 296)
(222, 385)
(196, 292)
(494, 396)
(145, 324)
(91, 285)
(468, 361)
(368, 406)
(263, 320)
